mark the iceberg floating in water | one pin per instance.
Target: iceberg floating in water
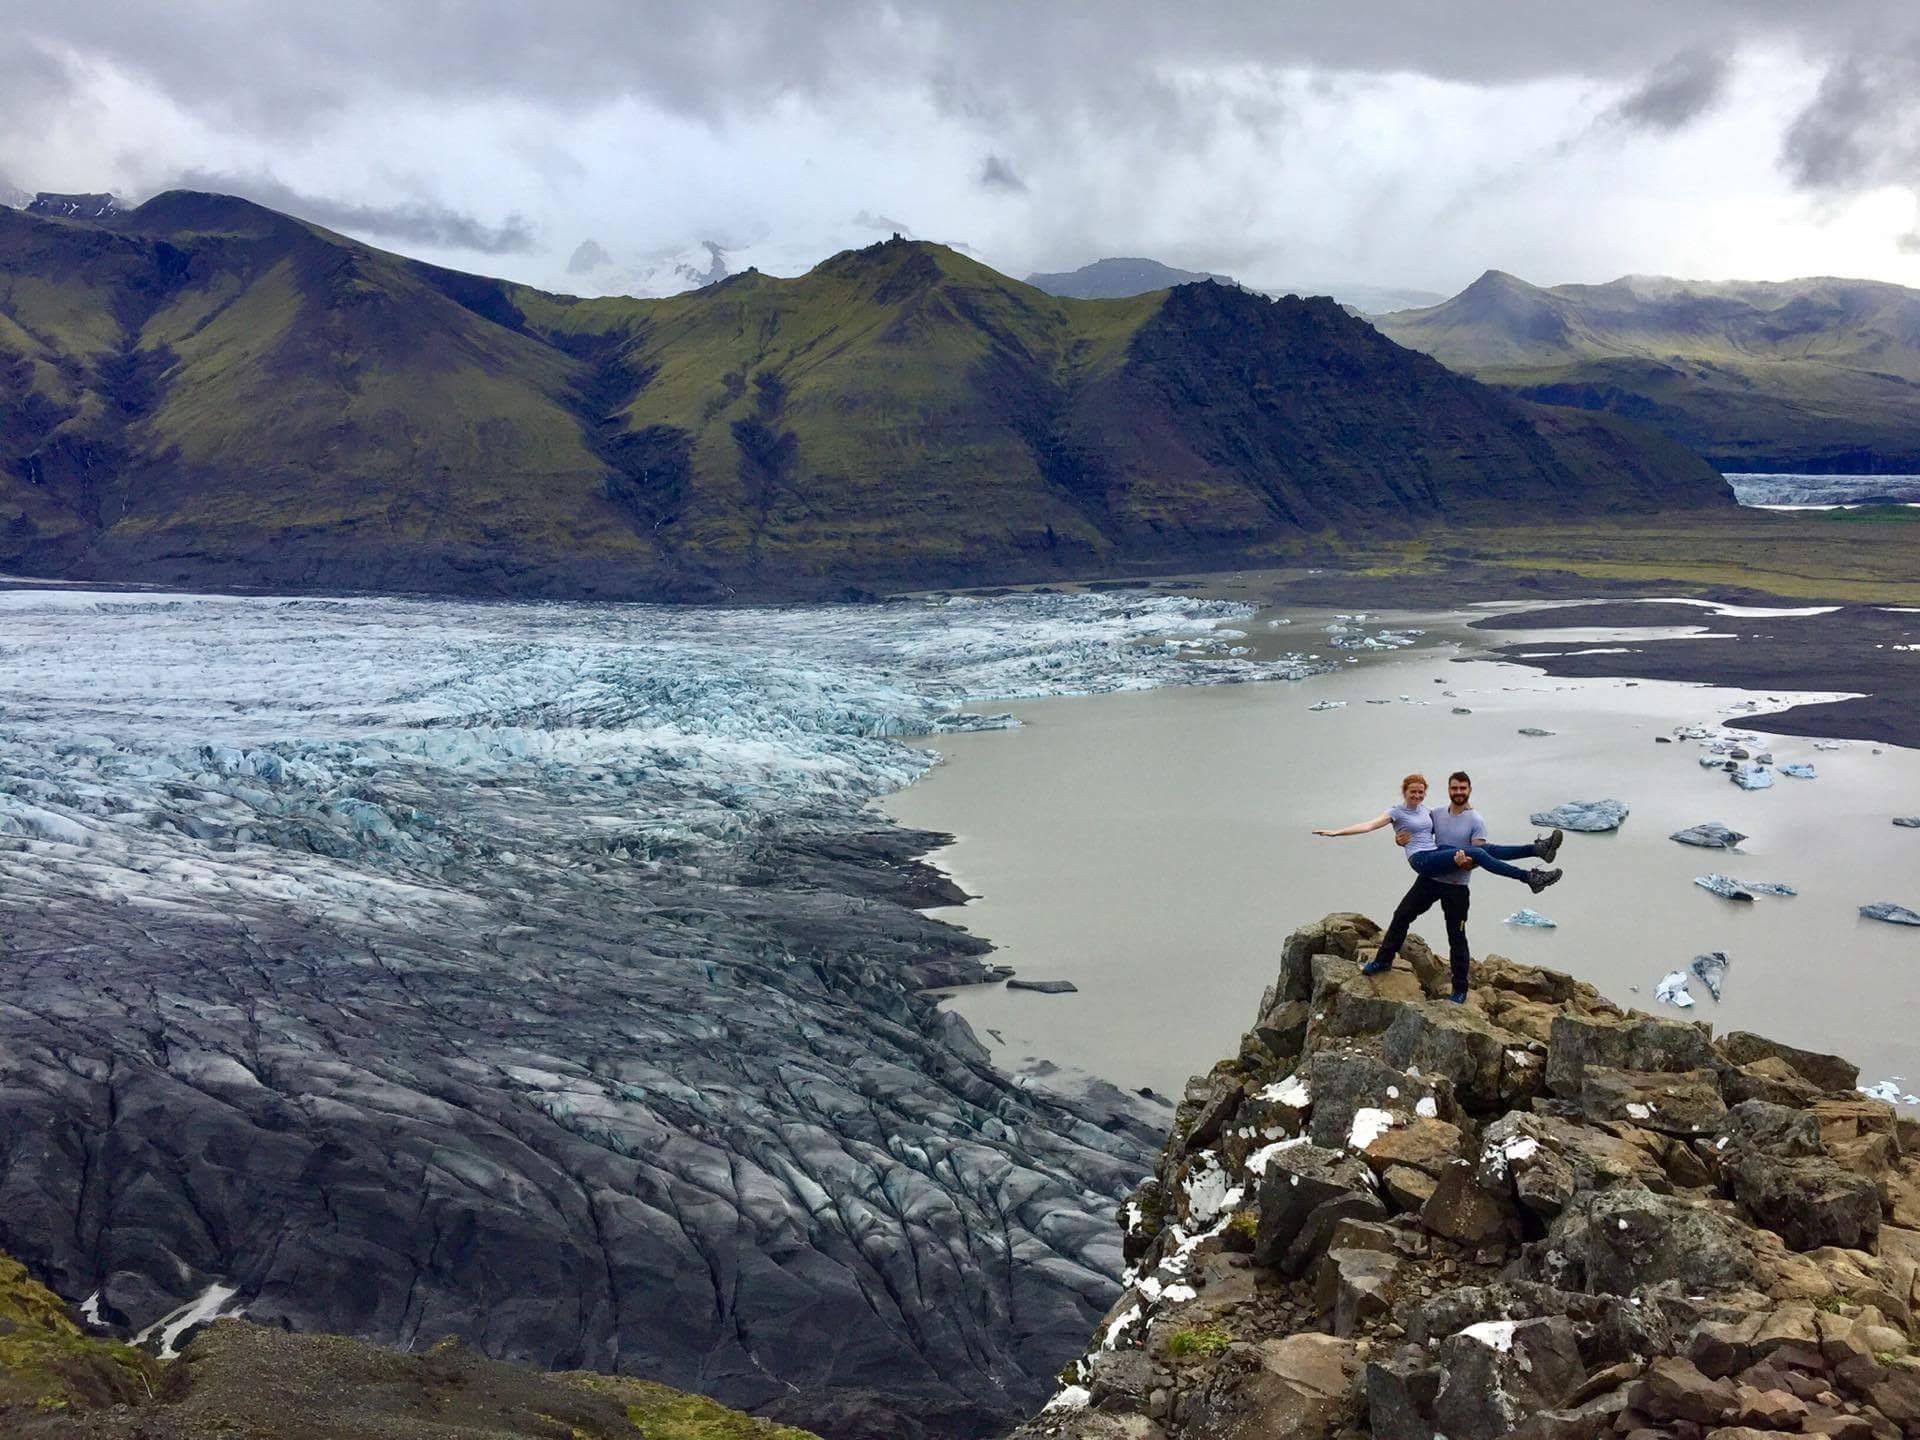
(1673, 990)
(1534, 730)
(1712, 970)
(1531, 919)
(1727, 889)
(1328, 705)
(1889, 912)
(1799, 770)
(1588, 816)
(1709, 835)
(1753, 777)
(1907, 822)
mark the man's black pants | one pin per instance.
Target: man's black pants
(1453, 901)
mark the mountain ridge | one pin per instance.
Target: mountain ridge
(1819, 374)
(203, 391)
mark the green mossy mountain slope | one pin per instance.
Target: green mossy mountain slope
(1816, 375)
(202, 391)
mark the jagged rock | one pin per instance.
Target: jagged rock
(1298, 1387)
(1453, 1043)
(1616, 1241)
(1407, 1188)
(1586, 1421)
(1720, 1348)
(1427, 1145)
(1461, 1211)
(1588, 816)
(1898, 1397)
(1674, 1389)
(1499, 1372)
(1355, 1286)
(1674, 1103)
(1345, 1083)
(1283, 1029)
(1710, 835)
(1778, 1129)
(1400, 1392)
(1304, 1190)
(1631, 1043)
(1808, 1201)
(1829, 1072)
(1519, 1149)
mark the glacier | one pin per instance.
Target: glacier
(541, 974)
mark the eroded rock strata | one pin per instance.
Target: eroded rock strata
(1535, 1214)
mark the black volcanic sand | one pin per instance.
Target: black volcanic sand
(1851, 649)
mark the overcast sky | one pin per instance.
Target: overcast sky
(1393, 142)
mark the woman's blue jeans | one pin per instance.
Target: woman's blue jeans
(1492, 858)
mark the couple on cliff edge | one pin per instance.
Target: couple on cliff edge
(1444, 847)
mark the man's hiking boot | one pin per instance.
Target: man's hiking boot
(1549, 846)
(1539, 878)
(1376, 966)
(1458, 997)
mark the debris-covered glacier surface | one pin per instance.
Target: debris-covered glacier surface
(538, 974)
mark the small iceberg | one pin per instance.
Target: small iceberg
(1328, 705)
(1766, 887)
(1044, 987)
(1889, 912)
(1461, 710)
(1799, 770)
(1587, 816)
(1723, 887)
(1907, 822)
(1712, 970)
(1889, 1091)
(1673, 990)
(1534, 730)
(1829, 744)
(1710, 835)
(1531, 919)
(1753, 777)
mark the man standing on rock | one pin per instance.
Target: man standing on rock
(1456, 828)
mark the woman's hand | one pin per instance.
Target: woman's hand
(1323, 832)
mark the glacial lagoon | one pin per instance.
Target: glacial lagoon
(1154, 849)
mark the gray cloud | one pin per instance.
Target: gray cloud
(588, 256)
(869, 220)
(1860, 128)
(1676, 94)
(997, 174)
(416, 222)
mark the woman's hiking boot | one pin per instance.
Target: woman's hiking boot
(1548, 846)
(1540, 877)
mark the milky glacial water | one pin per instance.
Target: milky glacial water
(1155, 849)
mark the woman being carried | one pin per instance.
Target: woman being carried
(1428, 857)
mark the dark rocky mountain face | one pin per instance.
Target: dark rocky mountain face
(1815, 375)
(204, 391)
(73, 207)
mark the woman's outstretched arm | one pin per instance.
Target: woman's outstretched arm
(1378, 822)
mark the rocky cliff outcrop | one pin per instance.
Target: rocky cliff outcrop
(1535, 1214)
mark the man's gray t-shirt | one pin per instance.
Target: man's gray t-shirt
(1456, 832)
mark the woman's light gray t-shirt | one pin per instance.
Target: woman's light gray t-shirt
(1417, 823)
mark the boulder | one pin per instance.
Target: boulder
(1635, 1042)
(1808, 1201)
(1408, 1189)
(1400, 1392)
(1303, 1191)
(1829, 1072)
(1429, 1146)
(1518, 1153)
(1346, 1083)
(1674, 1389)
(1685, 1103)
(1355, 1287)
(1616, 1241)
(1452, 1042)
(1498, 1373)
(1298, 1387)
(1462, 1211)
